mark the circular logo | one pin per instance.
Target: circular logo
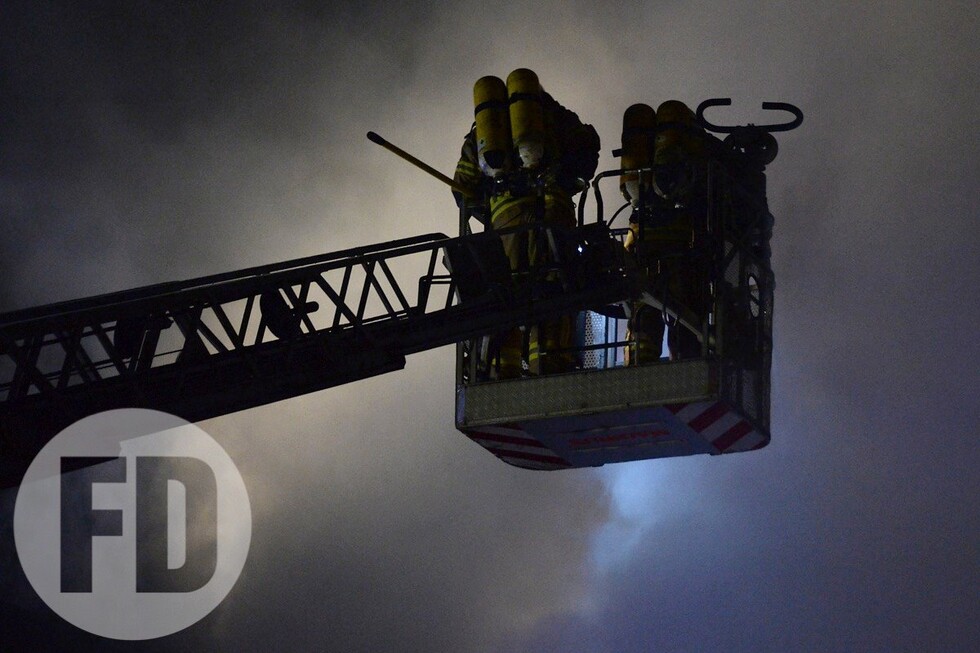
(132, 524)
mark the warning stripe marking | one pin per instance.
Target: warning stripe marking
(617, 441)
(708, 417)
(721, 426)
(513, 445)
(507, 439)
(724, 428)
(750, 442)
(523, 455)
(689, 412)
(537, 450)
(733, 435)
(503, 429)
(531, 464)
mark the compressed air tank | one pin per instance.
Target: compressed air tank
(677, 136)
(526, 116)
(493, 140)
(639, 123)
(678, 144)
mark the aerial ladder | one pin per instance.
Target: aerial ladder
(224, 343)
(219, 344)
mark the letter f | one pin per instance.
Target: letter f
(86, 522)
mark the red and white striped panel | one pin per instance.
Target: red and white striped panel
(725, 429)
(512, 445)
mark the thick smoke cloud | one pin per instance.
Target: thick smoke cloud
(144, 143)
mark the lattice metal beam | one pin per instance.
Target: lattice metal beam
(219, 344)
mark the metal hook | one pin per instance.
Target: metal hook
(766, 106)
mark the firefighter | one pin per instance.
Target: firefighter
(662, 226)
(525, 158)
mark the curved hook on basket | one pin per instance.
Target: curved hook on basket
(766, 106)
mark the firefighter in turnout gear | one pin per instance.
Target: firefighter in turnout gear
(524, 159)
(663, 227)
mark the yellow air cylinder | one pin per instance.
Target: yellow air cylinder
(639, 121)
(526, 116)
(676, 137)
(493, 142)
(677, 147)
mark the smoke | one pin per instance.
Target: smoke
(146, 143)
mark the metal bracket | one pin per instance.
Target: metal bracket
(766, 106)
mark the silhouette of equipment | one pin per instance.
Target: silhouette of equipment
(219, 344)
(228, 342)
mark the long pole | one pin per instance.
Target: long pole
(375, 138)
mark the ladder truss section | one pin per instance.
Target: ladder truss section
(219, 344)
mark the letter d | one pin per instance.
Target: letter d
(153, 475)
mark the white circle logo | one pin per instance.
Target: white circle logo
(132, 524)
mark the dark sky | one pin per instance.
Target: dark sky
(143, 142)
